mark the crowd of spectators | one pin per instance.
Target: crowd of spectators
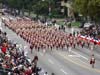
(13, 61)
(92, 31)
(40, 37)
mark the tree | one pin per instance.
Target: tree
(80, 6)
(94, 9)
(19, 5)
(42, 7)
(89, 8)
(29, 4)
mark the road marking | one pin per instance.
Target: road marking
(73, 55)
(25, 47)
(84, 57)
(50, 61)
(83, 66)
(79, 55)
(20, 45)
(64, 71)
(70, 50)
(94, 51)
(41, 54)
(83, 62)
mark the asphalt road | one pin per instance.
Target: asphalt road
(61, 62)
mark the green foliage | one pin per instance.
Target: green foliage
(89, 8)
(40, 7)
(81, 7)
(12, 3)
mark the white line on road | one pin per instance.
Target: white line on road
(25, 47)
(84, 57)
(41, 54)
(64, 71)
(50, 61)
(79, 55)
(73, 55)
(83, 62)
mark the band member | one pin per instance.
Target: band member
(92, 61)
(31, 48)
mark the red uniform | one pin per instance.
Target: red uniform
(4, 49)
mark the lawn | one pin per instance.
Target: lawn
(60, 23)
(74, 24)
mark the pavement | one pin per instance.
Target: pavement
(72, 29)
(61, 62)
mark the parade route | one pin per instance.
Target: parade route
(61, 62)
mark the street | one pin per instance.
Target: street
(61, 62)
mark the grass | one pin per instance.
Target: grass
(32, 14)
(60, 23)
(74, 24)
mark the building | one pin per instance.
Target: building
(67, 7)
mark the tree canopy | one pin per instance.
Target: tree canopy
(36, 6)
(89, 8)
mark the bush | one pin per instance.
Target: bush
(56, 14)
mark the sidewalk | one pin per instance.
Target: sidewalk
(71, 30)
